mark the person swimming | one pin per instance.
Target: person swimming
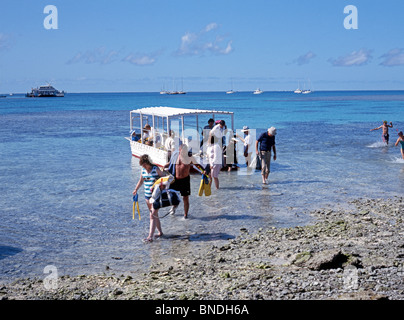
(400, 140)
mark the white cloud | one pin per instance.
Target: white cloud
(103, 56)
(211, 26)
(228, 49)
(355, 58)
(393, 58)
(305, 58)
(140, 59)
(99, 55)
(204, 42)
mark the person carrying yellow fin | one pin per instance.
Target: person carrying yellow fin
(166, 181)
(204, 186)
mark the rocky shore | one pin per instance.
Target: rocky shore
(355, 251)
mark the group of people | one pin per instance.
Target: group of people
(213, 133)
(147, 138)
(264, 148)
(180, 168)
(386, 136)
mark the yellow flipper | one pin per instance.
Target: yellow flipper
(201, 188)
(135, 205)
(208, 190)
(167, 179)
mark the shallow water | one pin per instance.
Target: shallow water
(67, 176)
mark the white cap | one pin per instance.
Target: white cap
(272, 131)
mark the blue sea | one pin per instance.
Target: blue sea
(67, 174)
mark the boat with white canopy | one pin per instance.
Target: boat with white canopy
(152, 127)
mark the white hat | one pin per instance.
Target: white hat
(272, 131)
(245, 129)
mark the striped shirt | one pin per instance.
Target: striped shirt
(149, 179)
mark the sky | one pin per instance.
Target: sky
(150, 45)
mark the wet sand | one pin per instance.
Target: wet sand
(352, 251)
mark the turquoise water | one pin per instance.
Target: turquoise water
(67, 175)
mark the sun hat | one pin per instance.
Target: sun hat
(272, 131)
(245, 129)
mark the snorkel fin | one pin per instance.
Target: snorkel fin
(135, 205)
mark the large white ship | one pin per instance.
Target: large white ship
(45, 91)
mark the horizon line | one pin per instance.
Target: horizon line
(224, 91)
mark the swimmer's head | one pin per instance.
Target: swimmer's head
(400, 134)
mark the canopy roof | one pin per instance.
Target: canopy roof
(170, 112)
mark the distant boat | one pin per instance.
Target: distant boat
(298, 90)
(306, 91)
(231, 91)
(162, 91)
(258, 91)
(176, 91)
(45, 92)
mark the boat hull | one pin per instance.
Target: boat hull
(158, 156)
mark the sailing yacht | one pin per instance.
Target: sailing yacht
(298, 90)
(163, 91)
(231, 91)
(182, 87)
(308, 90)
